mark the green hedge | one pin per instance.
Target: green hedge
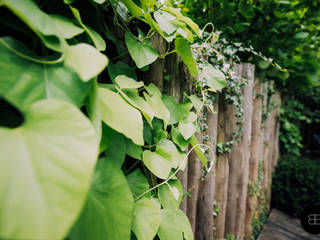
(296, 184)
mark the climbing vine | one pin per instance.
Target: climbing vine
(89, 150)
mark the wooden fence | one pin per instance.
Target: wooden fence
(240, 181)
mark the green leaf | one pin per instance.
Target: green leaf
(125, 82)
(121, 68)
(99, 1)
(25, 80)
(263, 64)
(170, 195)
(196, 102)
(108, 211)
(191, 118)
(45, 170)
(154, 100)
(142, 53)
(186, 20)
(164, 19)
(183, 49)
(178, 111)
(158, 131)
(134, 150)
(97, 40)
(186, 129)
(39, 22)
(146, 219)
(87, 61)
(138, 183)
(93, 109)
(117, 149)
(67, 29)
(168, 150)
(174, 225)
(120, 116)
(213, 77)
(194, 142)
(301, 35)
(133, 8)
(179, 140)
(158, 165)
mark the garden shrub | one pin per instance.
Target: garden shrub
(296, 184)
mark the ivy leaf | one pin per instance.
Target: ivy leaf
(157, 164)
(174, 225)
(97, 40)
(146, 219)
(109, 192)
(142, 53)
(138, 183)
(214, 78)
(23, 82)
(121, 68)
(178, 111)
(85, 60)
(170, 195)
(125, 82)
(154, 100)
(43, 180)
(168, 150)
(115, 112)
(183, 49)
(186, 129)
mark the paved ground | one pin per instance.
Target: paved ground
(280, 226)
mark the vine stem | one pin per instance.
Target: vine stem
(6, 45)
(175, 172)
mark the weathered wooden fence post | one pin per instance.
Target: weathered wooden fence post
(239, 161)
(256, 154)
(222, 168)
(204, 224)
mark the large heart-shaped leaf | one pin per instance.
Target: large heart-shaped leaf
(214, 78)
(146, 219)
(108, 211)
(45, 170)
(120, 116)
(97, 40)
(183, 49)
(40, 22)
(178, 111)
(142, 53)
(121, 68)
(138, 183)
(170, 195)
(164, 19)
(174, 225)
(24, 81)
(158, 107)
(167, 149)
(87, 61)
(157, 164)
(186, 129)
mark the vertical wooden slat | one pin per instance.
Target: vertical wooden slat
(239, 162)
(204, 223)
(256, 155)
